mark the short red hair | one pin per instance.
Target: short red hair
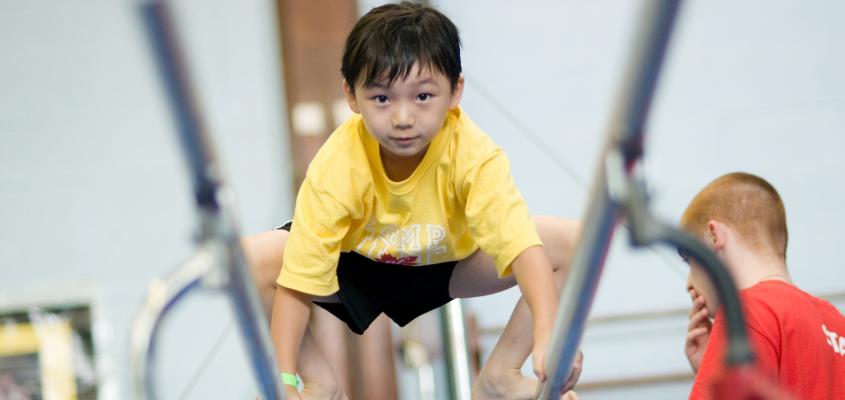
(746, 203)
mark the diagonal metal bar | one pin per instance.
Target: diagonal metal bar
(228, 270)
(625, 134)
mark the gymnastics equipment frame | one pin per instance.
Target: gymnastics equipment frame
(617, 194)
(219, 262)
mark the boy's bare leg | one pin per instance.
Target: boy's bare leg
(264, 252)
(330, 334)
(375, 362)
(500, 377)
(317, 374)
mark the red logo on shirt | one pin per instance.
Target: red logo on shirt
(390, 259)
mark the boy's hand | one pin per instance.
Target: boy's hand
(698, 330)
(575, 374)
(292, 394)
(538, 356)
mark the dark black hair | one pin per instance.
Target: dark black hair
(387, 42)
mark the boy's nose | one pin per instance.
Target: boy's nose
(403, 118)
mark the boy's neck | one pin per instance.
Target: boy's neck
(750, 268)
(398, 169)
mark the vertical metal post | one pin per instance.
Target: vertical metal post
(457, 353)
(625, 135)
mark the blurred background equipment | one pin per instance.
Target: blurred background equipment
(51, 346)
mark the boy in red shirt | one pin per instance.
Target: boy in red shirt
(797, 338)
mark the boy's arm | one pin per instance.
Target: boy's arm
(535, 278)
(291, 312)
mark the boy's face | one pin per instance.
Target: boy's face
(698, 281)
(405, 116)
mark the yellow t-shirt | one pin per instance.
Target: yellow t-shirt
(460, 197)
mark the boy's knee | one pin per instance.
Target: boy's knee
(264, 253)
(558, 236)
(556, 228)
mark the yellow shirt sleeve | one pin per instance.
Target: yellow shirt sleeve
(320, 223)
(497, 216)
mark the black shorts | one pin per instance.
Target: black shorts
(369, 288)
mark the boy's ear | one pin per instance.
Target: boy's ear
(457, 93)
(717, 235)
(350, 97)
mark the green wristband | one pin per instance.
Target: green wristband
(291, 380)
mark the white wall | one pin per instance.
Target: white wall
(92, 184)
(753, 85)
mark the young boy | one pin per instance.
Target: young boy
(795, 336)
(407, 206)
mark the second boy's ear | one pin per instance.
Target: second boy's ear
(350, 97)
(716, 235)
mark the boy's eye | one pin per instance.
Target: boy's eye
(423, 96)
(380, 99)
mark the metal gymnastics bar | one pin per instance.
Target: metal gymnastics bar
(454, 336)
(618, 193)
(219, 262)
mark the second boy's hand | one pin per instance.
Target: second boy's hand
(698, 330)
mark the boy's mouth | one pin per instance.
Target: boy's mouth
(404, 140)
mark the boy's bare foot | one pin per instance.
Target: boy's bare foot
(508, 384)
(505, 384)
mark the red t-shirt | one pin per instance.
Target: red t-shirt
(797, 339)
